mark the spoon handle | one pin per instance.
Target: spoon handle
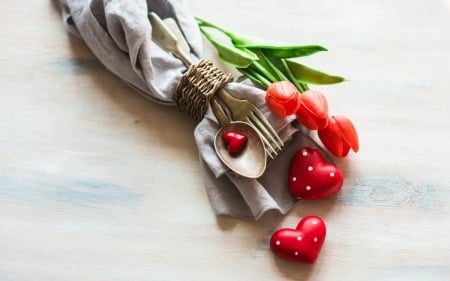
(219, 113)
(164, 36)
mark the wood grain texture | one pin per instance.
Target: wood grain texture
(95, 183)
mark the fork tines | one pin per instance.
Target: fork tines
(272, 141)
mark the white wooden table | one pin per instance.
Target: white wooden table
(95, 183)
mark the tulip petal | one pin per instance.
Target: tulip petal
(348, 131)
(309, 120)
(332, 139)
(316, 103)
(282, 98)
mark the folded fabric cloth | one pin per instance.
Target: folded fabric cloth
(119, 33)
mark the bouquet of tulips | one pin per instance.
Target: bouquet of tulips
(286, 84)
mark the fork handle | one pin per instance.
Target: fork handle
(226, 98)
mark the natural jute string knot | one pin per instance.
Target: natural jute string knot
(197, 86)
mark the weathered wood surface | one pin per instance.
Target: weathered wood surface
(95, 183)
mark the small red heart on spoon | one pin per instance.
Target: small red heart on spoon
(235, 141)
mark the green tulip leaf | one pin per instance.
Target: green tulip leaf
(306, 74)
(285, 52)
(240, 58)
(235, 39)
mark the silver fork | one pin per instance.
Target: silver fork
(240, 110)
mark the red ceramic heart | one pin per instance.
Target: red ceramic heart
(310, 177)
(234, 141)
(302, 244)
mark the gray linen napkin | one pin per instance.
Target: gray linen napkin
(119, 33)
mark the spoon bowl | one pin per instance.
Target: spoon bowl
(251, 161)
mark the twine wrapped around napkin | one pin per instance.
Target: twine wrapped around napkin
(119, 33)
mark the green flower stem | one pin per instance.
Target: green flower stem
(258, 67)
(255, 77)
(263, 64)
(305, 86)
(292, 78)
(272, 66)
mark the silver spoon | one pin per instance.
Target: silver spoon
(251, 161)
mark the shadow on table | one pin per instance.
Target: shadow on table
(259, 233)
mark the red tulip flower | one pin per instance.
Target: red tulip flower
(339, 136)
(282, 98)
(313, 110)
